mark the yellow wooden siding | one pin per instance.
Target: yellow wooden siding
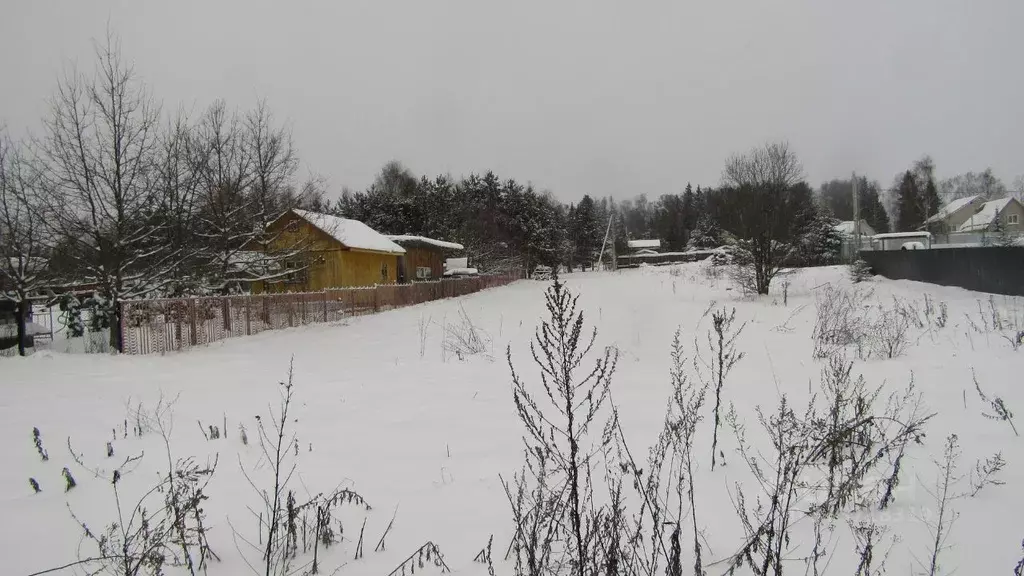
(322, 261)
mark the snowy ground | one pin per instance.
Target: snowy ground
(414, 428)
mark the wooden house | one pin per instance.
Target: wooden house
(318, 251)
(424, 257)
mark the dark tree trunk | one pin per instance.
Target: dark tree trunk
(21, 316)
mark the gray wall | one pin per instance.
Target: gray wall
(997, 269)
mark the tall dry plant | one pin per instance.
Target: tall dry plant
(722, 356)
(559, 424)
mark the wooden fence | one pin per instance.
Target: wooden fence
(161, 325)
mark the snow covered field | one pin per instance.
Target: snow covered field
(422, 435)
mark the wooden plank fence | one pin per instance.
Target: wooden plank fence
(162, 325)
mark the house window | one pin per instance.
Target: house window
(295, 271)
(1012, 219)
(423, 272)
(292, 227)
(384, 273)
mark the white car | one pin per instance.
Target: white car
(912, 246)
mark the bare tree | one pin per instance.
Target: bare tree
(23, 265)
(221, 157)
(759, 189)
(179, 200)
(273, 161)
(99, 147)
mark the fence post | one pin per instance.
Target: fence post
(226, 312)
(248, 314)
(376, 298)
(123, 324)
(192, 337)
(325, 306)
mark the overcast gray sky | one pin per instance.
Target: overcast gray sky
(584, 96)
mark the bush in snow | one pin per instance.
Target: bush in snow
(891, 333)
(860, 271)
(841, 321)
(850, 438)
(463, 338)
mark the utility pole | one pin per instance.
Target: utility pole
(600, 259)
(856, 219)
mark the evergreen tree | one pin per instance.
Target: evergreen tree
(585, 230)
(909, 206)
(689, 210)
(707, 234)
(821, 243)
(930, 199)
(671, 228)
(837, 195)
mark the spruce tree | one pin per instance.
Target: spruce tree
(689, 210)
(909, 206)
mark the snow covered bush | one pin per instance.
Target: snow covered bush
(756, 263)
(890, 333)
(842, 321)
(860, 271)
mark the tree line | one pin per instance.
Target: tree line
(128, 200)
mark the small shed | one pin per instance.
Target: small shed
(424, 257)
(896, 240)
(637, 245)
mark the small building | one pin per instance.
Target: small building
(849, 248)
(424, 257)
(637, 245)
(896, 240)
(318, 251)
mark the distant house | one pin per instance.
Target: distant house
(637, 245)
(318, 251)
(424, 257)
(1009, 212)
(951, 217)
(848, 249)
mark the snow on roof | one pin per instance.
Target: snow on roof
(403, 238)
(951, 208)
(984, 216)
(846, 227)
(644, 243)
(352, 233)
(902, 235)
(461, 272)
